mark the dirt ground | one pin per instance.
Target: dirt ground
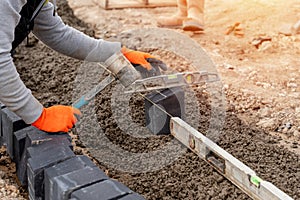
(261, 80)
(260, 77)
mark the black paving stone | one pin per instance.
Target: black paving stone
(42, 156)
(169, 100)
(1, 134)
(19, 138)
(10, 123)
(34, 137)
(62, 186)
(104, 190)
(133, 196)
(63, 168)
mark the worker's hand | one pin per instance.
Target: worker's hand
(57, 118)
(145, 63)
(154, 71)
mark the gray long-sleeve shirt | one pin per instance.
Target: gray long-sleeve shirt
(55, 34)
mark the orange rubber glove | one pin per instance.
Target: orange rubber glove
(137, 57)
(57, 118)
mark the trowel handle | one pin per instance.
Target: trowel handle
(86, 98)
(80, 102)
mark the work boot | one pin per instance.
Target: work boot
(195, 19)
(176, 20)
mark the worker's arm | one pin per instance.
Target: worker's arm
(13, 92)
(54, 33)
(71, 42)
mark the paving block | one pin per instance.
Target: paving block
(55, 177)
(42, 156)
(33, 136)
(62, 186)
(170, 101)
(105, 190)
(19, 138)
(133, 196)
(38, 137)
(70, 165)
(1, 135)
(2, 142)
(10, 123)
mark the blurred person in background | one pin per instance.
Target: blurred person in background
(189, 16)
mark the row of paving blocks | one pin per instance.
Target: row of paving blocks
(47, 165)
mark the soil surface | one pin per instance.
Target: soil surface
(260, 79)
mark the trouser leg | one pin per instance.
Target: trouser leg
(182, 8)
(176, 19)
(195, 9)
(195, 15)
